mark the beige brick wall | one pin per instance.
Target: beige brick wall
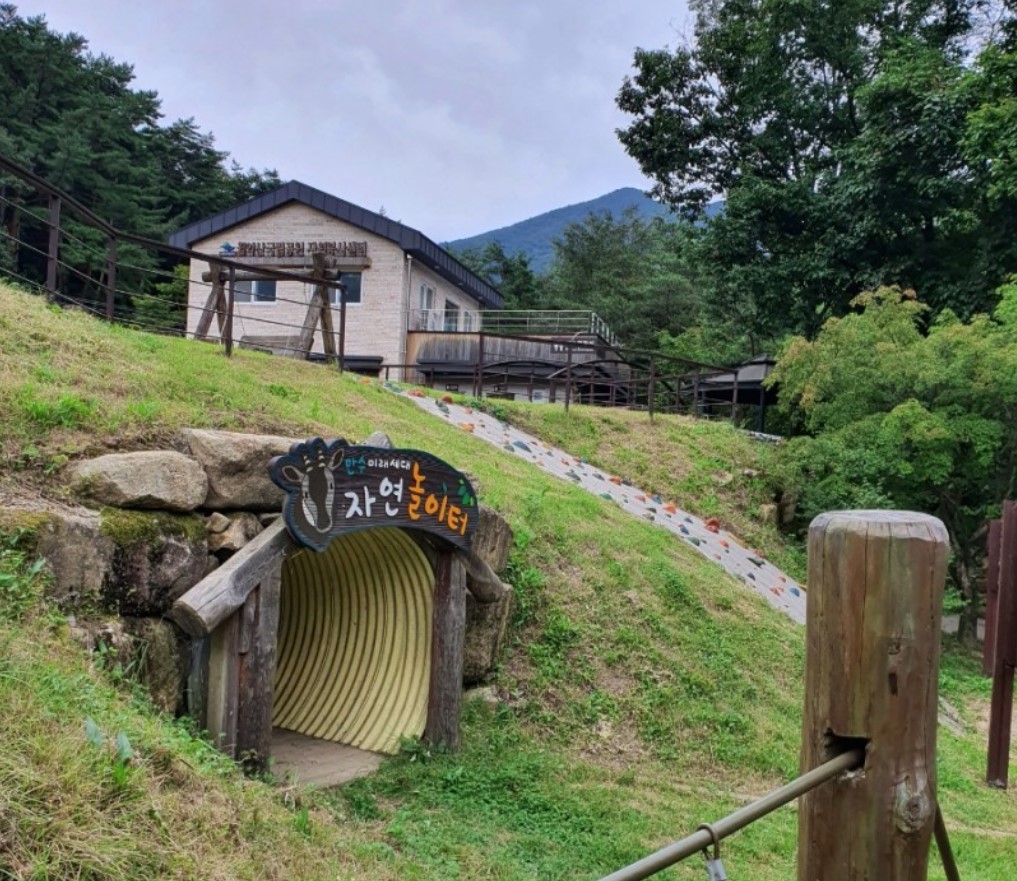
(377, 326)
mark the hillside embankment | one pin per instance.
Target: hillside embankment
(645, 691)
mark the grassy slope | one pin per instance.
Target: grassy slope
(645, 693)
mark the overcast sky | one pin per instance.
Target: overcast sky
(457, 116)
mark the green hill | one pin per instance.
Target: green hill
(644, 692)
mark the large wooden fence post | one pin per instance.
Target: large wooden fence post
(1004, 653)
(872, 663)
(448, 631)
(991, 596)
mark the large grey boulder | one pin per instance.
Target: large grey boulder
(486, 630)
(78, 555)
(153, 651)
(236, 465)
(378, 439)
(162, 655)
(156, 559)
(493, 539)
(158, 479)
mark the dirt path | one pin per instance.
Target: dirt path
(721, 547)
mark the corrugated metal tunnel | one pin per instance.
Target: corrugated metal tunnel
(354, 649)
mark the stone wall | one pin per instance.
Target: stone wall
(150, 525)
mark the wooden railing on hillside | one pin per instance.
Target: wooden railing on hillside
(564, 356)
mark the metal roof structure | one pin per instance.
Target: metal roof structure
(750, 376)
(414, 243)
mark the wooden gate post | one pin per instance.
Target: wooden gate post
(872, 663)
(1004, 653)
(991, 596)
(444, 697)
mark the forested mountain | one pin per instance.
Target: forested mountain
(535, 236)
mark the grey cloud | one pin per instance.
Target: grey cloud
(457, 116)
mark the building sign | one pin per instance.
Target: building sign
(335, 487)
(293, 249)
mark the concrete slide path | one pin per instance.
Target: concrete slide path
(721, 547)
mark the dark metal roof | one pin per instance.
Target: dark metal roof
(750, 374)
(414, 243)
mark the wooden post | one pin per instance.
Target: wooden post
(327, 328)
(1005, 660)
(342, 325)
(650, 390)
(223, 681)
(568, 379)
(215, 305)
(444, 698)
(231, 301)
(991, 596)
(256, 672)
(734, 397)
(197, 681)
(111, 276)
(311, 317)
(53, 252)
(871, 670)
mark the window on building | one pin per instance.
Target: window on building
(451, 315)
(352, 280)
(261, 291)
(467, 321)
(428, 317)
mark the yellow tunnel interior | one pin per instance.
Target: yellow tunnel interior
(354, 647)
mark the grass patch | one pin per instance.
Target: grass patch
(706, 467)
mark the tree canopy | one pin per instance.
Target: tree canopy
(899, 417)
(854, 144)
(75, 119)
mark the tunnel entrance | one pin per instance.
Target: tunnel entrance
(354, 648)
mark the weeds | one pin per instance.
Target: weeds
(22, 579)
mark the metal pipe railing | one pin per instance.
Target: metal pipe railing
(701, 839)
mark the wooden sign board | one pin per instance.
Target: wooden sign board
(333, 487)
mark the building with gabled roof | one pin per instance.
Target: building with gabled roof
(397, 279)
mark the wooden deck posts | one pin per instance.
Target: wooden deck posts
(872, 661)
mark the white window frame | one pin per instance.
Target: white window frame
(429, 318)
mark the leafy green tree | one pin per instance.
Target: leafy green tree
(896, 417)
(834, 132)
(631, 271)
(521, 287)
